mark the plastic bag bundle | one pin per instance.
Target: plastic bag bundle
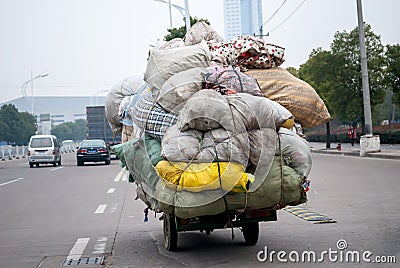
(126, 88)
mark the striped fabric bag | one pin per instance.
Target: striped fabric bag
(152, 118)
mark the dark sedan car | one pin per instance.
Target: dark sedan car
(92, 151)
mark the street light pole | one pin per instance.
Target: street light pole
(24, 85)
(32, 92)
(186, 15)
(170, 13)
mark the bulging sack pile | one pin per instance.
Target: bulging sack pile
(208, 138)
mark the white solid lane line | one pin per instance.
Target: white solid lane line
(125, 176)
(111, 191)
(56, 168)
(78, 248)
(2, 184)
(100, 209)
(119, 176)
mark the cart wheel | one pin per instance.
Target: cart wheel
(170, 233)
(250, 233)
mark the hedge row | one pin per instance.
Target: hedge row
(386, 137)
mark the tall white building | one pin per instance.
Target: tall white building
(242, 17)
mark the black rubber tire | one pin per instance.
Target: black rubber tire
(170, 233)
(251, 232)
(79, 163)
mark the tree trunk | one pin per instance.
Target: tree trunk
(392, 113)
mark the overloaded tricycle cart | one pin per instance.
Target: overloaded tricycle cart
(212, 133)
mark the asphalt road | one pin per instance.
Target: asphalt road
(45, 210)
(360, 194)
(49, 213)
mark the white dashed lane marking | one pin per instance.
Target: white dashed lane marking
(5, 183)
(53, 169)
(100, 209)
(111, 191)
(78, 248)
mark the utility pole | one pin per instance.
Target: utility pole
(364, 71)
(368, 143)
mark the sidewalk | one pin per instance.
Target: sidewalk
(387, 151)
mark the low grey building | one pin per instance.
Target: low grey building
(60, 108)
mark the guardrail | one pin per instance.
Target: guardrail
(13, 152)
(8, 152)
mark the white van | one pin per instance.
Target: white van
(67, 146)
(44, 149)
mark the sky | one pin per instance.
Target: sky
(87, 46)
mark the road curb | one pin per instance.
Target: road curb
(342, 153)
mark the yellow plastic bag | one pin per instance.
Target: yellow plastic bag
(205, 176)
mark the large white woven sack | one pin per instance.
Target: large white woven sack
(162, 64)
(127, 87)
(179, 88)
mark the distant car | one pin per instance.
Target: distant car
(67, 146)
(109, 145)
(92, 151)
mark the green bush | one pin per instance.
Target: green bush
(389, 137)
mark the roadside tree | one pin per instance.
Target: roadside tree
(336, 74)
(15, 127)
(392, 72)
(181, 31)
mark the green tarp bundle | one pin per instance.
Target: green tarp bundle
(281, 187)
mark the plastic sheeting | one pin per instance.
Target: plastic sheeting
(229, 176)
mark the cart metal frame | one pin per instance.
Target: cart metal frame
(247, 220)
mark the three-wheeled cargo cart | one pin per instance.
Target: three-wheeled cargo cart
(247, 221)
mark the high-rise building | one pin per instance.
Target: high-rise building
(242, 17)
